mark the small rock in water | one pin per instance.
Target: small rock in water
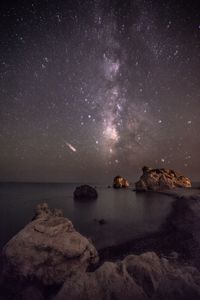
(85, 192)
(120, 182)
(102, 222)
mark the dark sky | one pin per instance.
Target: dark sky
(92, 89)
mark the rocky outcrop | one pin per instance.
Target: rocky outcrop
(136, 277)
(160, 179)
(85, 192)
(120, 182)
(183, 226)
(47, 250)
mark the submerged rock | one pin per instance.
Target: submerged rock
(47, 250)
(159, 179)
(120, 182)
(136, 277)
(102, 222)
(85, 192)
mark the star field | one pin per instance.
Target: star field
(92, 89)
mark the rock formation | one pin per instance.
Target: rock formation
(160, 179)
(136, 277)
(120, 182)
(183, 226)
(47, 250)
(49, 253)
(85, 192)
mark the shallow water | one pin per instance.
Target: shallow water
(128, 214)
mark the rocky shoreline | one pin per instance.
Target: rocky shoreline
(165, 265)
(171, 236)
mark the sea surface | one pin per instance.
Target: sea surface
(128, 215)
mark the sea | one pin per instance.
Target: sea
(127, 215)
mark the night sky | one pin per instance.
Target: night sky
(93, 89)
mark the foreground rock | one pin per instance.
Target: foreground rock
(47, 250)
(136, 277)
(50, 252)
(160, 179)
(120, 182)
(85, 192)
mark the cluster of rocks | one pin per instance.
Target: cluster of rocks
(49, 253)
(120, 182)
(151, 180)
(160, 179)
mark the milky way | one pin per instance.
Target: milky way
(92, 89)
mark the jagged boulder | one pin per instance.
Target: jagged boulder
(120, 182)
(85, 192)
(47, 250)
(159, 179)
(136, 277)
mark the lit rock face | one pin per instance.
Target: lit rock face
(85, 192)
(120, 182)
(160, 179)
(136, 277)
(47, 250)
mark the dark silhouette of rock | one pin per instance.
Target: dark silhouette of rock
(47, 250)
(160, 179)
(85, 192)
(120, 182)
(102, 222)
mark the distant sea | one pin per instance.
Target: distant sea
(128, 215)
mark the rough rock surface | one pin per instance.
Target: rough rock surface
(120, 182)
(85, 192)
(160, 179)
(47, 250)
(183, 226)
(136, 277)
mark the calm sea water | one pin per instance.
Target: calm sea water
(128, 215)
